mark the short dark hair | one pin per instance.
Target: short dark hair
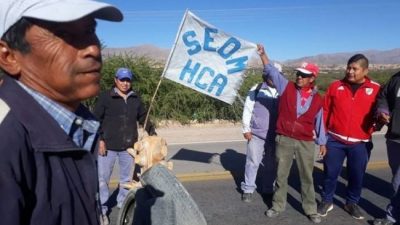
(15, 36)
(359, 58)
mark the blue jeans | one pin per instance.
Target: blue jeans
(393, 209)
(106, 165)
(357, 159)
(259, 152)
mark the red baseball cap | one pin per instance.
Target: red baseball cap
(308, 68)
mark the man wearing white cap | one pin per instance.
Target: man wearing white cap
(259, 116)
(299, 126)
(51, 61)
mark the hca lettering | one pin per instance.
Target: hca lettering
(198, 75)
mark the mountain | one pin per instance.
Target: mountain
(375, 57)
(146, 50)
(379, 57)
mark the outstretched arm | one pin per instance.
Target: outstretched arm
(273, 73)
(263, 55)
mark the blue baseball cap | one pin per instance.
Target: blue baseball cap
(123, 73)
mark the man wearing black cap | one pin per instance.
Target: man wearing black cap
(50, 55)
(118, 110)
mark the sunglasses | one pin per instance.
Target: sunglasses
(124, 80)
(303, 75)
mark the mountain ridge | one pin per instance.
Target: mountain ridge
(381, 57)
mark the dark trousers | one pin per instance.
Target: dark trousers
(357, 159)
(393, 209)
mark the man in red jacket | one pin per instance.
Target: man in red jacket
(349, 120)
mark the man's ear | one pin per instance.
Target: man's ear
(8, 60)
(366, 71)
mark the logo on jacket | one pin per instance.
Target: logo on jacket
(369, 91)
(341, 88)
(398, 93)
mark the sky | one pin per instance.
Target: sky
(288, 29)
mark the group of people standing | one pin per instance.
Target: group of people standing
(341, 123)
(50, 56)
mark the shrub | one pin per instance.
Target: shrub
(179, 103)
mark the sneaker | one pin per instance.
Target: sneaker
(247, 197)
(271, 213)
(315, 218)
(324, 208)
(354, 211)
(382, 222)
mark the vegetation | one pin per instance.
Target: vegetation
(179, 103)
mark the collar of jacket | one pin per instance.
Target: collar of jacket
(367, 82)
(44, 132)
(113, 93)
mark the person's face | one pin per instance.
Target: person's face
(355, 73)
(304, 80)
(123, 85)
(64, 62)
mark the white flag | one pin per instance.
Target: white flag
(208, 60)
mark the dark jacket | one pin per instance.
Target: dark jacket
(388, 101)
(45, 179)
(119, 119)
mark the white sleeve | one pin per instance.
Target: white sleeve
(248, 110)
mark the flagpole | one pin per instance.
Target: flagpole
(163, 73)
(174, 45)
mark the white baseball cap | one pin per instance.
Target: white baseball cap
(54, 10)
(278, 66)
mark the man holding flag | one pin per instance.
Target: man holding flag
(299, 116)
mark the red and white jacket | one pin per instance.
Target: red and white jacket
(349, 117)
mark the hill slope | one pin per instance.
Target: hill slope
(375, 56)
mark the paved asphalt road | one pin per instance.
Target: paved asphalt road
(212, 171)
(193, 161)
(220, 201)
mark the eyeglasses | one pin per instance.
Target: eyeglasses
(303, 75)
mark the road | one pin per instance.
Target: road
(220, 201)
(231, 156)
(216, 159)
(212, 171)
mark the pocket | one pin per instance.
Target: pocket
(278, 138)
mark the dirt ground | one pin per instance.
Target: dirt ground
(216, 131)
(176, 133)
